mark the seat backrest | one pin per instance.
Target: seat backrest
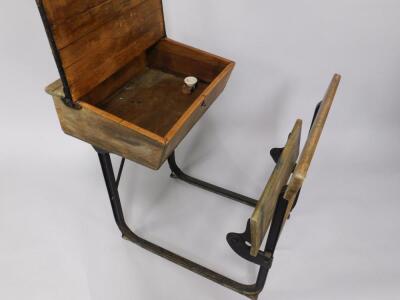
(93, 39)
(307, 154)
(263, 213)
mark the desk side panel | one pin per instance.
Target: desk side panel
(263, 213)
(113, 135)
(196, 111)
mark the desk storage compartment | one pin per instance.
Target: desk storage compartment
(146, 118)
(121, 78)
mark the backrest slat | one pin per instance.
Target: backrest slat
(263, 213)
(300, 172)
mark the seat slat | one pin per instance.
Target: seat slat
(307, 154)
(263, 213)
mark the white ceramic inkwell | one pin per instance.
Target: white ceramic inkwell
(190, 84)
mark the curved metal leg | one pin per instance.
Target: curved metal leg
(251, 291)
(179, 174)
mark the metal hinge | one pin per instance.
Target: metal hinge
(70, 103)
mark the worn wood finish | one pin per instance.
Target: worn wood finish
(123, 72)
(154, 101)
(196, 110)
(108, 132)
(117, 81)
(263, 213)
(97, 38)
(152, 107)
(307, 154)
(171, 56)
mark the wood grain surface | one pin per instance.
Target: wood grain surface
(97, 38)
(154, 101)
(171, 56)
(263, 213)
(109, 132)
(307, 154)
(127, 77)
(150, 105)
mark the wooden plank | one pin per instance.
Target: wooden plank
(71, 29)
(171, 56)
(307, 154)
(263, 213)
(80, 87)
(61, 10)
(153, 100)
(108, 132)
(112, 84)
(112, 37)
(196, 110)
(97, 38)
(56, 90)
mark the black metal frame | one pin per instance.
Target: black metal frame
(239, 242)
(236, 241)
(179, 174)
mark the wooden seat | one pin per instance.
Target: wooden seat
(286, 168)
(262, 215)
(300, 172)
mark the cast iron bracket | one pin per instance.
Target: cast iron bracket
(276, 153)
(240, 243)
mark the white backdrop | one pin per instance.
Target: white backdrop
(57, 235)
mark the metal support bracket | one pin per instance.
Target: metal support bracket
(276, 153)
(240, 243)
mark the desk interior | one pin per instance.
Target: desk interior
(153, 100)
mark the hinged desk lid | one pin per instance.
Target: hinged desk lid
(93, 39)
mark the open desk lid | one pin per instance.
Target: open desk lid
(93, 39)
